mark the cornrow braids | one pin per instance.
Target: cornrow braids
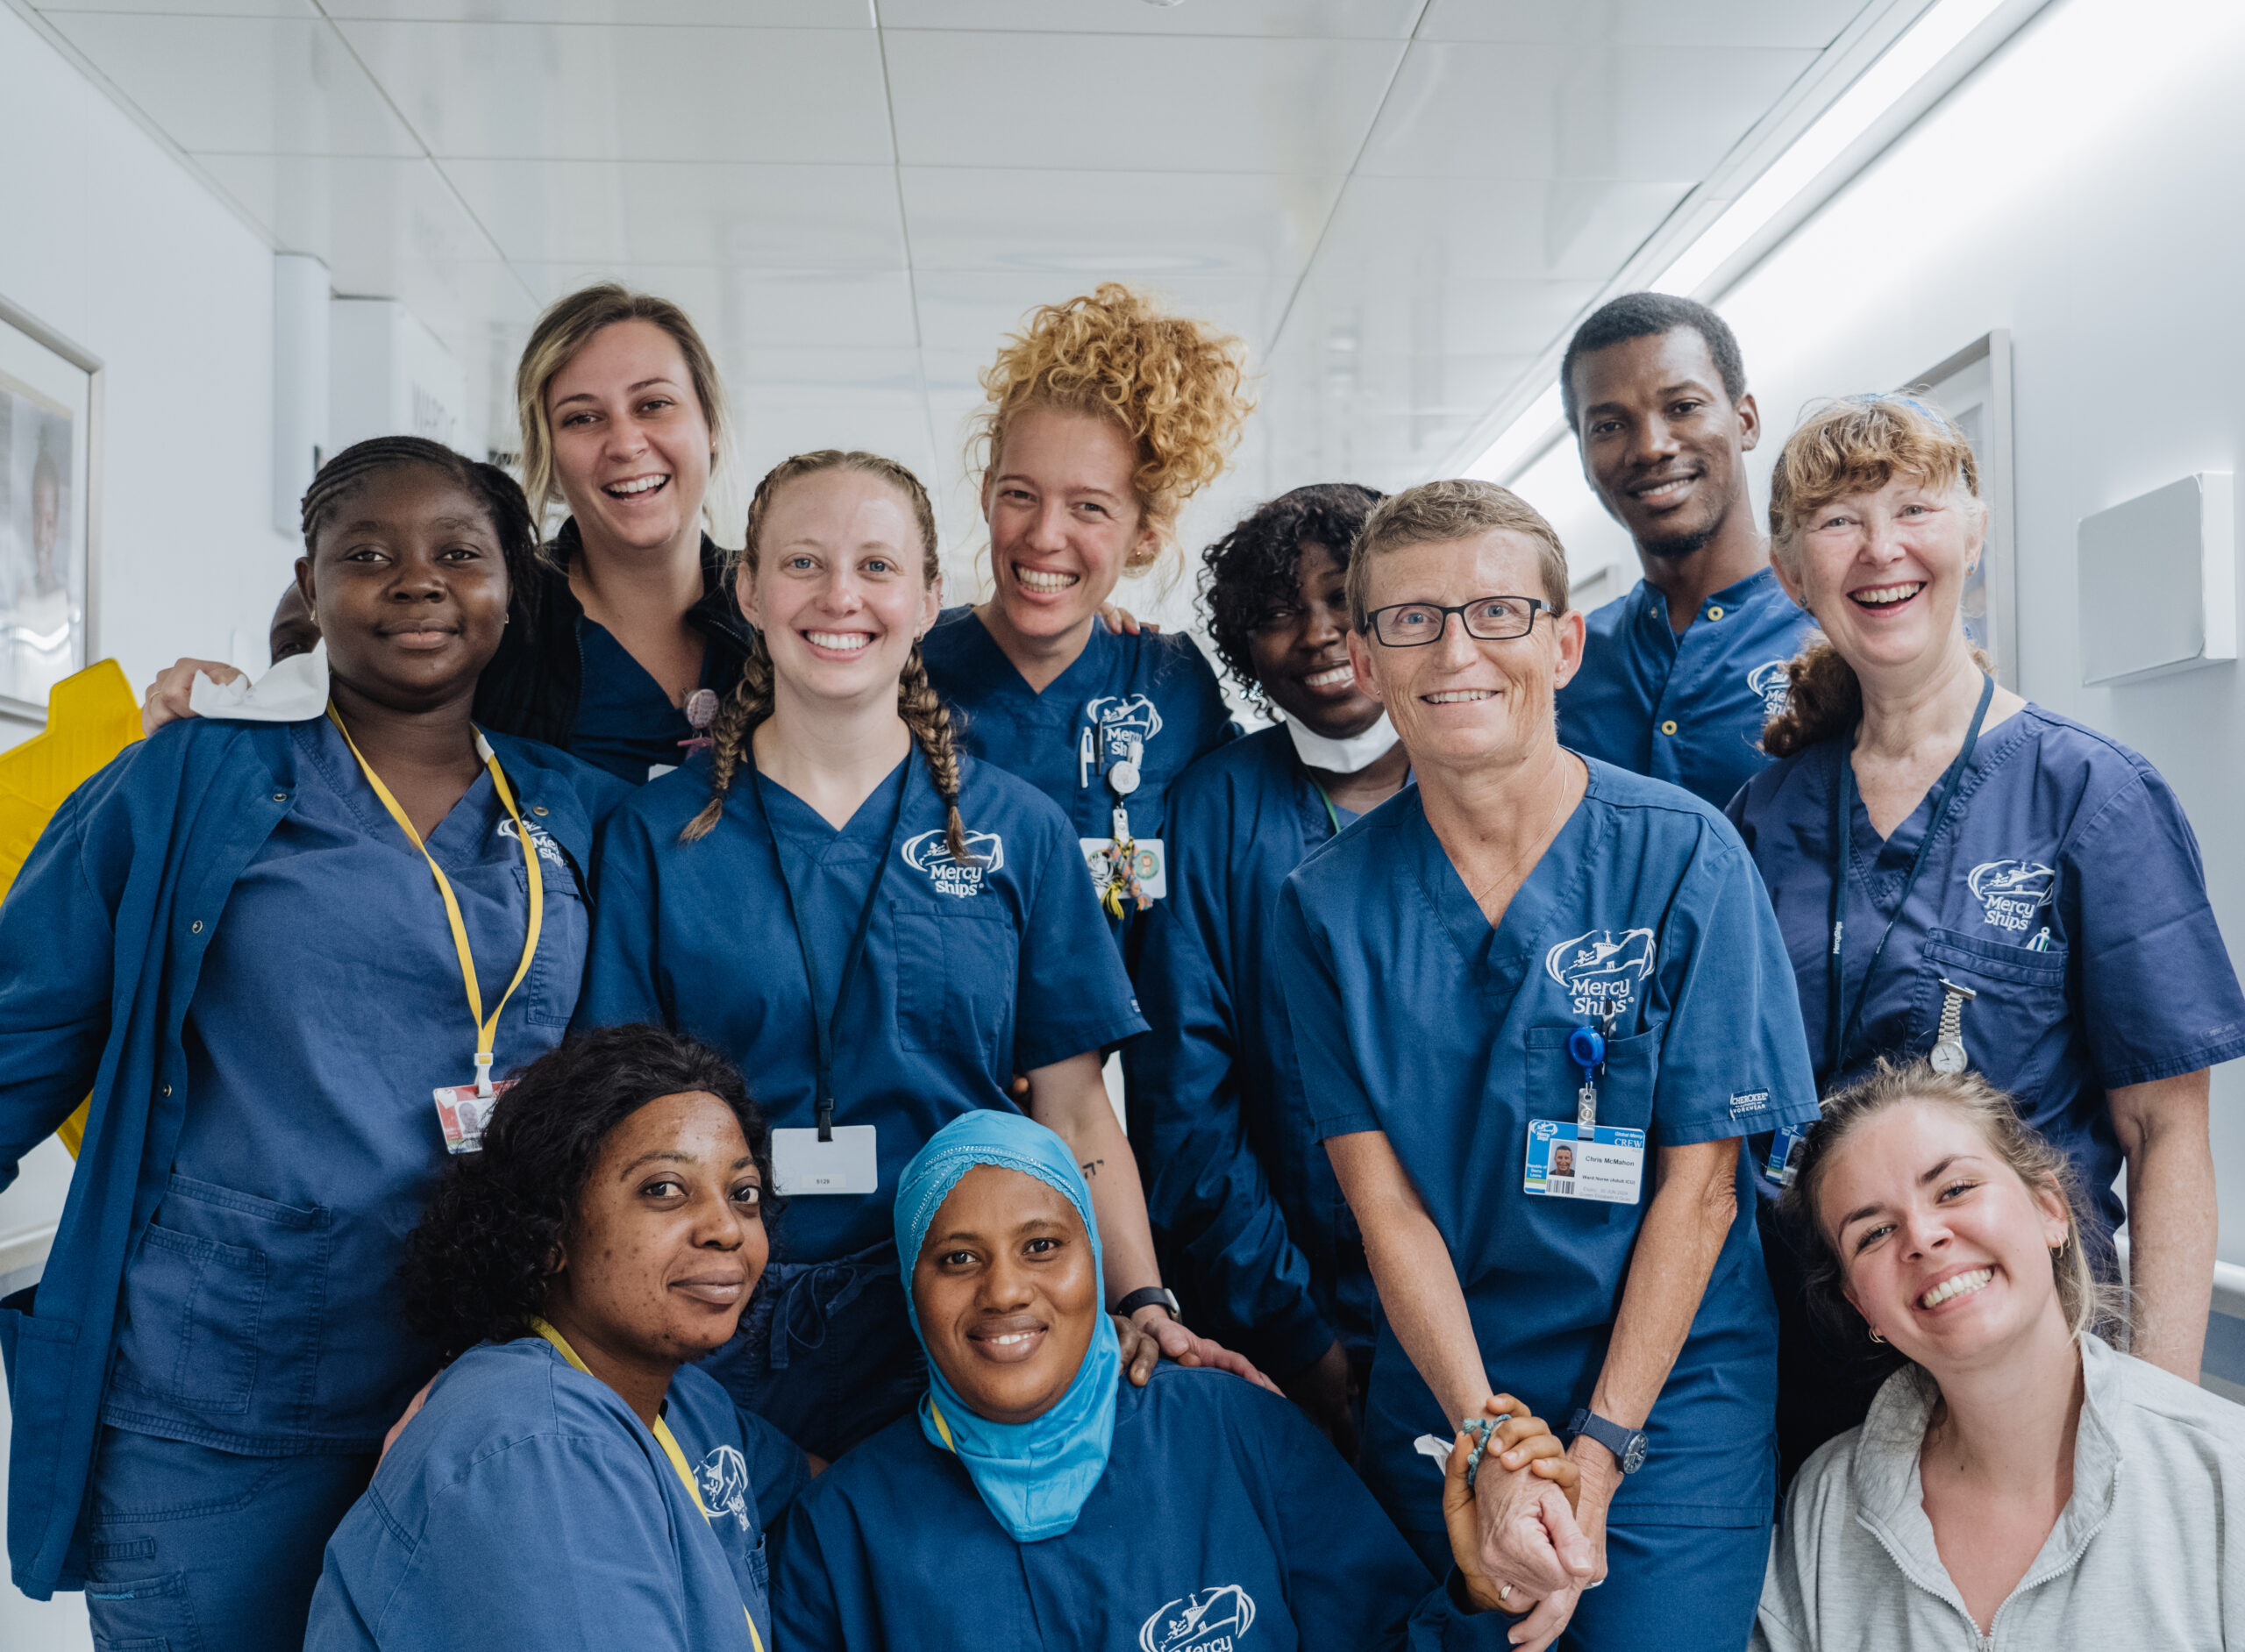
(499, 494)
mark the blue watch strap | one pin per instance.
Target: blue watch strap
(1628, 1445)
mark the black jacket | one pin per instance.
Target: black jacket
(530, 688)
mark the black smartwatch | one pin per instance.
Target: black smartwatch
(1628, 1445)
(1148, 1296)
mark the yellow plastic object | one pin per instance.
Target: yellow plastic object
(90, 717)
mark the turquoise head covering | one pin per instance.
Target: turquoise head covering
(1033, 1476)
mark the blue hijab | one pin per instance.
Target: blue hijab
(1033, 1476)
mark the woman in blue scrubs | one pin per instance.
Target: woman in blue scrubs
(2021, 895)
(883, 930)
(574, 1481)
(266, 948)
(1034, 1499)
(1536, 1001)
(629, 610)
(1104, 415)
(1245, 1208)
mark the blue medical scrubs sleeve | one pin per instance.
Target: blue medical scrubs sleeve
(1074, 995)
(1733, 1059)
(1338, 1100)
(776, 1468)
(2159, 995)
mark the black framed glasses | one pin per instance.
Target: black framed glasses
(1491, 619)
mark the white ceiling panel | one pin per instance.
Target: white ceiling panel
(242, 85)
(1327, 19)
(1570, 228)
(1225, 104)
(586, 92)
(737, 14)
(642, 212)
(1113, 225)
(360, 214)
(1573, 112)
(193, 8)
(1811, 23)
(971, 310)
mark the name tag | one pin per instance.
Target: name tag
(1566, 1161)
(1151, 865)
(803, 1165)
(462, 1114)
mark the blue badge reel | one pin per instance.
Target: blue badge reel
(1581, 1159)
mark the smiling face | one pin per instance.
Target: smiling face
(1459, 703)
(840, 586)
(632, 443)
(1008, 1293)
(1883, 574)
(1300, 651)
(408, 584)
(1662, 443)
(1064, 516)
(1943, 1250)
(668, 1239)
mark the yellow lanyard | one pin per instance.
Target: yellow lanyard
(486, 1031)
(664, 1438)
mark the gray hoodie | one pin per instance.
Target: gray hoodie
(2148, 1552)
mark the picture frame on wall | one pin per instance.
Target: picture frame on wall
(1973, 386)
(50, 469)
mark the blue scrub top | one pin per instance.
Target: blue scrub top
(1220, 1508)
(1155, 687)
(970, 974)
(626, 724)
(261, 1313)
(1717, 684)
(1412, 1016)
(2066, 892)
(1265, 1253)
(526, 1509)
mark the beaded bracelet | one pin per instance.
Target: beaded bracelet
(1480, 1428)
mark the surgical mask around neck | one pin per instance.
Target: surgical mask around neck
(1342, 757)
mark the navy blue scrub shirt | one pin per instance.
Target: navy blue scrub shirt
(1412, 1017)
(969, 976)
(1156, 690)
(2066, 892)
(625, 722)
(527, 1509)
(1221, 1510)
(1253, 1229)
(1685, 709)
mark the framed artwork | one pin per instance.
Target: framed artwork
(50, 417)
(1973, 386)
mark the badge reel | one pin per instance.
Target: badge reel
(1582, 1158)
(1127, 873)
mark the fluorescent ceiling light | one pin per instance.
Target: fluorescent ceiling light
(1877, 89)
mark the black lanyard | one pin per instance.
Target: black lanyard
(824, 1028)
(1839, 1027)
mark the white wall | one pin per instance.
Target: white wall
(2082, 190)
(111, 242)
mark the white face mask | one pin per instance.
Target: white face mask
(295, 689)
(1342, 757)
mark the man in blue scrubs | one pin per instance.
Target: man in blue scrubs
(1524, 950)
(1678, 675)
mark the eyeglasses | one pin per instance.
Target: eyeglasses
(1491, 619)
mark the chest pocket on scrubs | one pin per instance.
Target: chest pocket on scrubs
(2016, 1027)
(1624, 1089)
(225, 1288)
(956, 967)
(558, 972)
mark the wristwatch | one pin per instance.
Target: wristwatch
(1148, 1296)
(1628, 1445)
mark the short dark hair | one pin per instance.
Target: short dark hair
(1254, 568)
(500, 494)
(1647, 316)
(477, 1267)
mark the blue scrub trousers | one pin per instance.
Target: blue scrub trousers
(193, 1549)
(826, 1352)
(1667, 1588)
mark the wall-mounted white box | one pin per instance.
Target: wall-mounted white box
(2159, 582)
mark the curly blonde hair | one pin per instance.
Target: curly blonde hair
(1173, 384)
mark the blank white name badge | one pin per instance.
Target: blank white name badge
(1562, 1163)
(1150, 865)
(802, 1164)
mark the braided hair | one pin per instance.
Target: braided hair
(499, 494)
(1257, 567)
(917, 703)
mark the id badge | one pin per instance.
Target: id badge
(462, 1114)
(803, 1165)
(1605, 1163)
(1152, 865)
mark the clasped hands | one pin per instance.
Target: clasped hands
(1513, 1533)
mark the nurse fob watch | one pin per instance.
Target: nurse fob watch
(1628, 1445)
